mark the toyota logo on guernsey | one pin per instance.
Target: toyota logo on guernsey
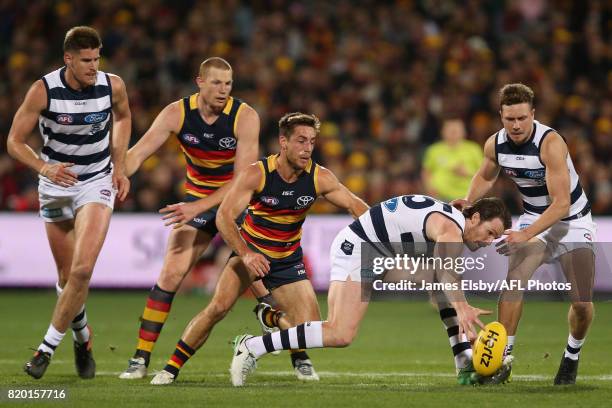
(304, 201)
(228, 143)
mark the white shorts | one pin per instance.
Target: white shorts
(345, 256)
(59, 203)
(564, 236)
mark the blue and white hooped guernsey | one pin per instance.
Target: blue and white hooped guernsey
(523, 164)
(76, 124)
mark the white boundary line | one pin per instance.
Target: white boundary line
(365, 375)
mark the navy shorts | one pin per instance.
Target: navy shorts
(206, 220)
(284, 271)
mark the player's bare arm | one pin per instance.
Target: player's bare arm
(449, 244)
(554, 155)
(165, 124)
(234, 203)
(485, 177)
(25, 119)
(247, 148)
(336, 193)
(120, 139)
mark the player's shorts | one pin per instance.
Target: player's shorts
(345, 256)
(206, 221)
(283, 271)
(564, 236)
(59, 203)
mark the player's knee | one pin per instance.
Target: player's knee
(81, 273)
(582, 310)
(216, 310)
(342, 335)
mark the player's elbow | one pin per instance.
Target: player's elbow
(563, 204)
(10, 147)
(221, 218)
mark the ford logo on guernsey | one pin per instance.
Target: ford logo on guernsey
(191, 139)
(228, 143)
(95, 117)
(269, 201)
(535, 174)
(64, 119)
(303, 201)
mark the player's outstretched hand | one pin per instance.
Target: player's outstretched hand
(59, 173)
(468, 317)
(513, 241)
(256, 263)
(460, 204)
(178, 214)
(121, 184)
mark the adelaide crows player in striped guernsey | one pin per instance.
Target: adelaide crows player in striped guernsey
(219, 136)
(279, 191)
(556, 220)
(80, 173)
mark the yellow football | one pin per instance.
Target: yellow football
(489, 349)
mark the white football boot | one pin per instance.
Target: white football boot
(243, 362)
(305, 371)
(136, 369)
(163, 378)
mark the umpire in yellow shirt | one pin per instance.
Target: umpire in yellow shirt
(450, 164)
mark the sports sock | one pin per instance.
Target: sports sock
(298, 355)
(304, 336)
(153, 318)
(572, 350)
(267, 299)
(461, 347)
(80, 331)
(271, 317)
(510, 346)
(181, 354)
(51, 340)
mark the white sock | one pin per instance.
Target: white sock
(80, 329)
(510, 345)
(304, 336)
(52, 339)
(461, 347)
(572, 350)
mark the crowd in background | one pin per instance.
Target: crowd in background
(381, 76)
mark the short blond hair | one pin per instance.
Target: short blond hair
(214, 62)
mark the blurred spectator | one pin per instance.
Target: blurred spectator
(380, 75)
(449, 165)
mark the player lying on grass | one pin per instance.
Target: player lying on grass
(413, 219)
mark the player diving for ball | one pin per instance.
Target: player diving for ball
(413, 219)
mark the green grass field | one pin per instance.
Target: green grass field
(401, 357)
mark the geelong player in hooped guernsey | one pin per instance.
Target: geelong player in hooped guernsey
(278, 191)
(81, 170)
(410, 218)
(556, 221)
